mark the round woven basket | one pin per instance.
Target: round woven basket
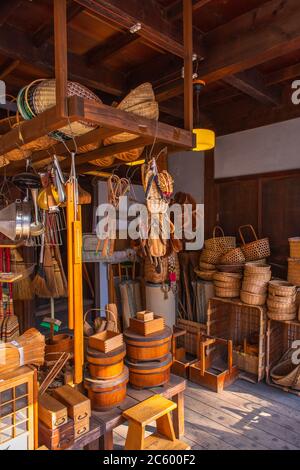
(230, 268)
(257, 249)
(210, 256)
(130, 155)
(17, 154)
(294, 247)
(294, 271)
(257, 268)
(227, 293)
(227, 277)
(228, 285)
(253, 299)
(255, 288)
(205, 275)
(289, 305)
(234, 256)
(207, 266)
(104, 162)
(282, 288)
(258, 278)
(220, 244)
(281, 316)
(89, 147)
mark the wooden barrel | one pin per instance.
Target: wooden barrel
(106, 394)
(148, 348)
(149, 374)
(105, 366)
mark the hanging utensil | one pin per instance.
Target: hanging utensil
(59, 181)
(36, 227)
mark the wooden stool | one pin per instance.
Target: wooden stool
(156, 408)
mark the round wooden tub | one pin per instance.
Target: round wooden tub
(149, 374)
(106, 394)
(105, 366)
(148, 348)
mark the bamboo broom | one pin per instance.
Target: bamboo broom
(39, 284)
(32, 343)
(22, 290)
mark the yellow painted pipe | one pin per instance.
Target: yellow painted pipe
(70, 221)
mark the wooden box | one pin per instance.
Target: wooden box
(145, 328)
(51, 412)
(57, 439)
(81, 428)
(105, 341)
(146, 315)
(79, 406)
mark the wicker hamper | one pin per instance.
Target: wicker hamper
(280, 339)
(231, 319)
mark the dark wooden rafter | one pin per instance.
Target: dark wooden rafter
(7, 8)
(175, 10)
(110, 47)
(61, 56)
(283, 75)
(154, 28)
(18, 46)
(252, 83)
(45, 32)
(8, 68)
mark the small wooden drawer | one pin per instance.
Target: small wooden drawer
(51, 412)
(57, 439)
(81, 428)
(78, 405)
(145, 328)
(146, 315)
(106, 341)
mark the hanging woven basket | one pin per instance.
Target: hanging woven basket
(257, 249)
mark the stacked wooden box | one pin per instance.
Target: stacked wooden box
(107, 379)
(148, 345)
(64, 417)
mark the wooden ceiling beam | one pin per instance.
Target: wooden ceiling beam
(283, 75)
(7, 8)
(250, 40)
(252, 83)
(154, 28)
(8, 68)
(175, 10)
(18, 46)
(46, 31)
(113, 45)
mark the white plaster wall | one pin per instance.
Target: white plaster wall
(187, 169)
(262, 150)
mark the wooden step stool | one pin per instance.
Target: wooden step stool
(156, 408)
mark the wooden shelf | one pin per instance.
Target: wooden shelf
(111, 121)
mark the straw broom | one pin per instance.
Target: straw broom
(39, 284)
(22, 290)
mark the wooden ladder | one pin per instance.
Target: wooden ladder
(158, 409)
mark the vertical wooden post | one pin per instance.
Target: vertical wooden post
(61, 56)
(188, 63)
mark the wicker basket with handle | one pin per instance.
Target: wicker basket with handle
(210, 256)
(257, 249)
(285, 373)
(220, 244)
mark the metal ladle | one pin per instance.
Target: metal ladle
(36, 227)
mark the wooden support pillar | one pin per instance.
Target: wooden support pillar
(61, 56)
(210, 203)
(188, 63)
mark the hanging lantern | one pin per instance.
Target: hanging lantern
(205, 138)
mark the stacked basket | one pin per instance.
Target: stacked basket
(255, 283)
(214, 249)
(257, 249)
(294, 261)
(282, 301)
(227, 285)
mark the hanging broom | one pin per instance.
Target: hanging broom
(22, 290)
(39, 284)
(49, 269)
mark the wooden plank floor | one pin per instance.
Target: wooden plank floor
(245, 416)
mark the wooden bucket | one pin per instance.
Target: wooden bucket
(61, 343)
(106, 394)
(105, 366)
(149, 374)
(148, 348)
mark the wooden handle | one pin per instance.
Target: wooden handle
(70, 221)
(252, 229)
(82, 417)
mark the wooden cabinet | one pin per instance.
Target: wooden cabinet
(17, 410)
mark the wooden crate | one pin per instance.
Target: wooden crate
(146, 315)
(145, 328)
(280, 337)
(232, 319)
(105, 341)
(189, 342)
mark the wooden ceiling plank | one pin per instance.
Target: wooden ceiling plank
(7, 8)
(252, 83)
(18, 46)
(9, 68)
(154, 27)
(45, 32)
(175, 10)
(113, 45)
(283, 75)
